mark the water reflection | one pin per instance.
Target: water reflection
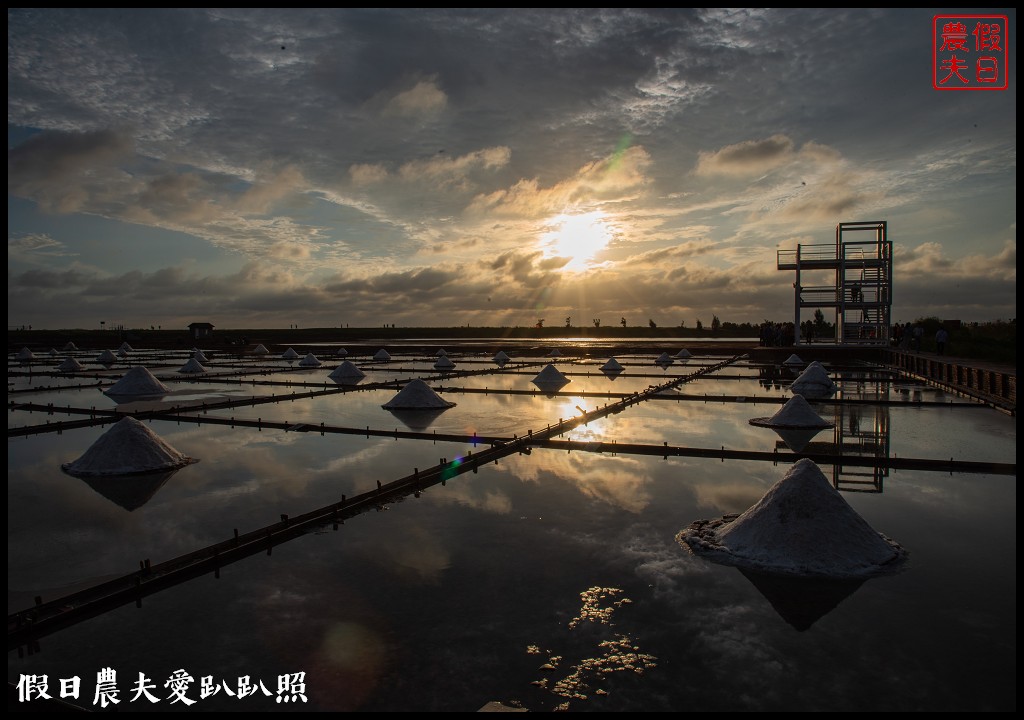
(129, 491)
(801, 602)
(403, 608)
(417, 420)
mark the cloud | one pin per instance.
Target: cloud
(444, 167)
(681, 251)
(25, 246)
(615, 178)
(930, 259)
(269, 189)
(367, 173)
(748, 158)
(57, 169)
(424, 98)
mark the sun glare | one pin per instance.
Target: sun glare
(577, 237)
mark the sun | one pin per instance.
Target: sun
(577, 237)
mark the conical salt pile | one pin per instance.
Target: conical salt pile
(70, 347)
(53, 352)
(814, 382)
(199, 357)
(664, 359)
(382, 355)
(290, 354)
(793, 360)
(444, 363)
(440, 353)
(69, 365)
(342, 352)
(347, 371)
(417, 395)
(192, 366)
(260, 350)
(554, 353)
(684, 353)
(127, 447)
(612, 365)
(138, 381)
(796, 413)
(310, 361)
(501, 358)
(801, 527)
(106, 357)
(550, 378)
(126, 347)
(122, 353)
(26, 354)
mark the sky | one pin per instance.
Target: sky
(260, 168)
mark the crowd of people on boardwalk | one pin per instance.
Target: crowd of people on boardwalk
(909, 337)
(776, 334)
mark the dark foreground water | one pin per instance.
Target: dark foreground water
(551, 580)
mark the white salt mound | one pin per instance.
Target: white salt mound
(347, 370)
(444, 363)
(70, 347)
(382, 355)
(801, 527)
(612, 365)
(53, 352)
(501, 357)
(684, 353)
(260, 350)
(199, 357)
(138, 381)
(25, 354)
(122, 353)
(796, 413)
(106, 357)
(127, 447)
(309, 361)
(342, 352)
(191, 367)
(793, 360)
(440, 353)
(554, 353)
(417, 395)
(550, 376)
(813, 381)
(290, 354)
(664, 359)
(69, 365)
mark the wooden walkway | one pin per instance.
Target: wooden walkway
(993, 384)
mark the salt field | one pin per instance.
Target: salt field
(528, 557)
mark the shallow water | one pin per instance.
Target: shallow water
(460, 596)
